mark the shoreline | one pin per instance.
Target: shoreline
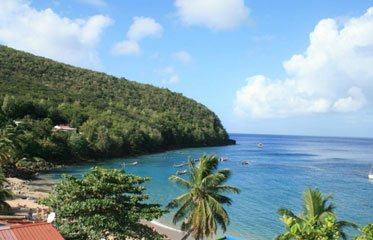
(170, 232)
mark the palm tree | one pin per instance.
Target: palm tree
(316, 211)
(8, 145)
(200, 207)
(4, 194)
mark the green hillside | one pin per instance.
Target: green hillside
(113, 116)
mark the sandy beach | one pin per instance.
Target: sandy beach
(28, 192)
(171, 233)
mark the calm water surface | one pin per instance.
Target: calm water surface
(276, 177)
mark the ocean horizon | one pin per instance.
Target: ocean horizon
(277, 176)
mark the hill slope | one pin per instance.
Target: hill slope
(113, 116)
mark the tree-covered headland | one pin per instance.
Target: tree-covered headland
(112, 116)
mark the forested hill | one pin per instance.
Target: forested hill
(113, 116)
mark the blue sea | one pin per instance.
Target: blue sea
(276, 177)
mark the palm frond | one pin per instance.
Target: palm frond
(218, 210)
(217, 178)
(343, 224)
(180, 181)
(312, 203)
(183, 211)
(221, 198)
(286, 212)
(208, 164)
(226, 188)
(179, 200)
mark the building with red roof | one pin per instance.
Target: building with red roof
(32, 231)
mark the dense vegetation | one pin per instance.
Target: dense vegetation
(5, 194)
(113, 116)
(104, 204)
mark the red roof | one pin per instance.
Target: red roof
(32, 231)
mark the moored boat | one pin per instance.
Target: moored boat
(181, 171)
(180, 164)
(370, 174)
(260, 145)
(222, 159)
(132, 163)
(245, 162)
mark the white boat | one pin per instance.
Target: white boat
(132, 163)
(260, 145)
(182, 171)
(370, 175)
(180, 164)
(222, 159)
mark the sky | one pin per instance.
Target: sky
(264, 67)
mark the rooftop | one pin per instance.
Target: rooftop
(32, 231)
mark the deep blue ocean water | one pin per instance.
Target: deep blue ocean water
(276, 177)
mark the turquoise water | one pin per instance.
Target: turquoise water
(276, 177)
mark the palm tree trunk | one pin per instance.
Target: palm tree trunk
(187, 234)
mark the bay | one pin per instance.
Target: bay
(276, 176)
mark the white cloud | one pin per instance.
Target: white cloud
(183, 57)
(169, 75)
(334, 74)
(140, 28)
(126, 48)
(216, 15)
(46, 33)
(144, 27)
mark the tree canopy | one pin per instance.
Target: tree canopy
(103, 203)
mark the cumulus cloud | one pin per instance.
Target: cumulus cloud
(140, 28)
(334, 74)
(183, 57)
(169, 75)
(48, 34)
(216, 15)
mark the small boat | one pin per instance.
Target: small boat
(181, 171)
(260, 145)
(370, 175)
(180, 164)
(245, 162)
(222, 159)
(197, 159)
(123, 165)
(132, 163)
